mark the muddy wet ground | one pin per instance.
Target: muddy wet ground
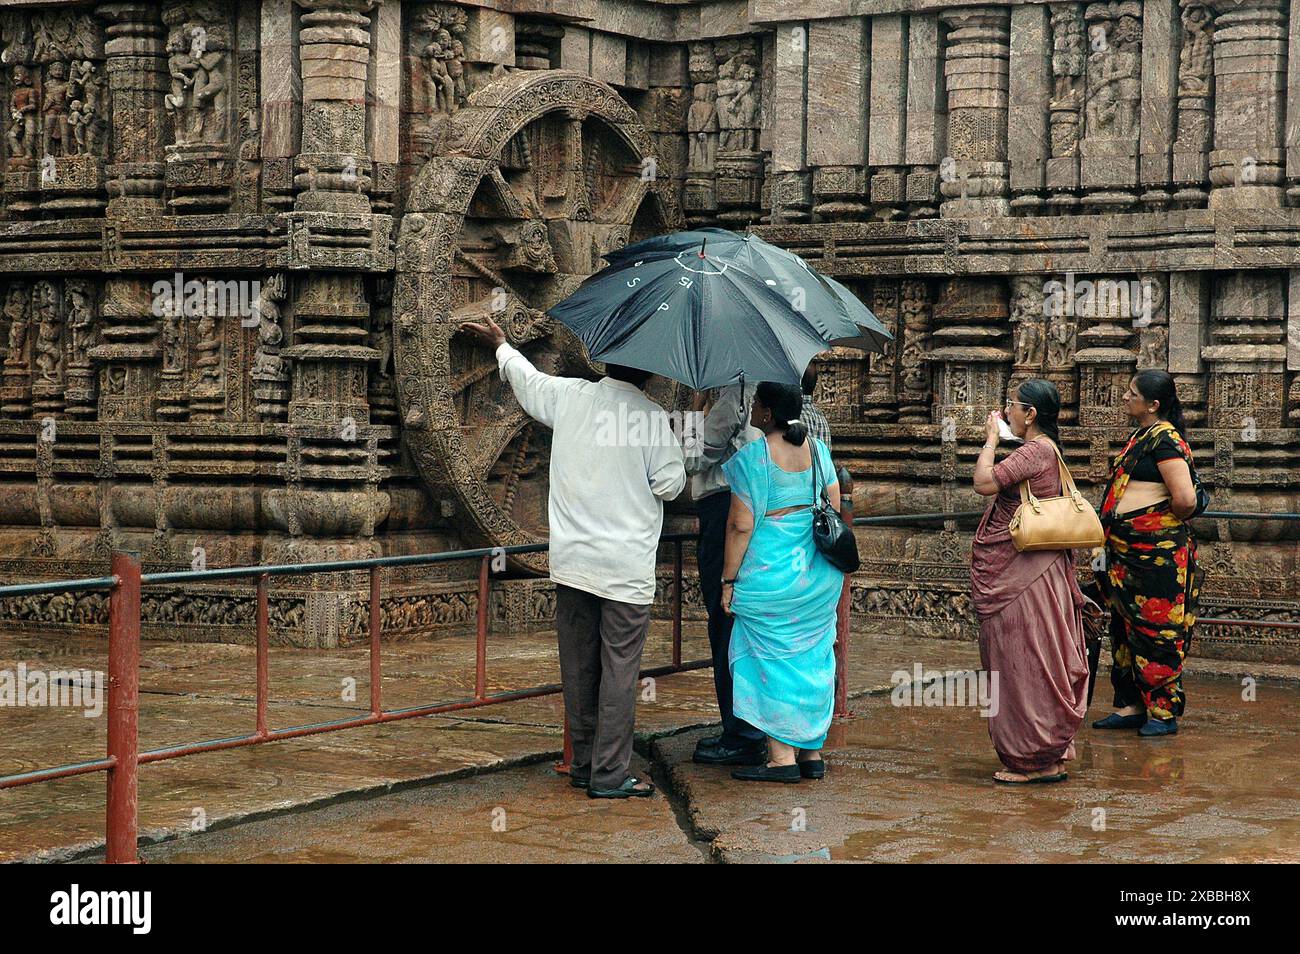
(906, 784)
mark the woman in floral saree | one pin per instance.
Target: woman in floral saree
(781, 589)
(1150, 577)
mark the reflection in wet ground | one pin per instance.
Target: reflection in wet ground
(914, 785)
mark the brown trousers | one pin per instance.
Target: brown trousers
(600, 656)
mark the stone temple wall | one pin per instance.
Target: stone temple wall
(237, 239)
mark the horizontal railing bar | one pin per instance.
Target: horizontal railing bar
(1261, 623)
(388, 715)
(343, 566)
(59, 586)
(425, 559)
(59, 771)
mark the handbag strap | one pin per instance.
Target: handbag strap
(819, 492)
(1068, 487)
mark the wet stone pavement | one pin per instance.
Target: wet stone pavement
(197, 691)
(914, 785)
(905, 784)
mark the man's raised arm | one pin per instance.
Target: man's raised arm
(538, 393)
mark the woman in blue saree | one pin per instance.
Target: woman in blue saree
(781, 590)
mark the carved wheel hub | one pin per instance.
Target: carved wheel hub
(544, 173)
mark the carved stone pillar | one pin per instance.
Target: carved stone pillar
(880, 405)
(1029, 329)
(927, 116)
(1188, 315)
(200, 162)
(887, 138)
(1105, 358)
(1061, 331)
(1247, 350)
(975, 67)
(1108, 169)
(791, 181)
(913, 370)
(128, 352)
(1065, 109)
(1250, 55)
(700, 201)
(839, 64)
(81, 318)
(16, 389)
(137, 73)
(970, 350)
(270, 371)
(49, 374)
(739, 163)
(1195, 96)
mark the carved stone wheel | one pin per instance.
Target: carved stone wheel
(543, 172)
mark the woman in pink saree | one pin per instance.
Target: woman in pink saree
(1029, 604)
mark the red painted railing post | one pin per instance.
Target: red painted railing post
(263, 651)
(566, 760)
(480, 659)
(842, 610)
(376, 676)
(121, 815)
(677, 602)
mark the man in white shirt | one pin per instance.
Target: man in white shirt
(614, 461)
(725, 429)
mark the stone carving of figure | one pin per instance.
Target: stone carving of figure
(1114, 84)
(208, 360)
(267, 363)
(702, 128)
(1153, 351)
(737, 104)
(443, 57)
(181, 66)
(16, 313)
(198, 93)
(80, 320)
(49, 330)
(1061, 334)
(1067, 56)
(1195, 57)
(21, 132)
(1029, 344)
(55, 138)
(172, 340)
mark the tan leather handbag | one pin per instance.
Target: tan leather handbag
(1055, 523)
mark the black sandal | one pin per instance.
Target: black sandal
(627, 790)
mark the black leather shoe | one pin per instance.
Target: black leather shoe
(813, 768)
(709, 741)
(789, 774)
(725, 755)
(1117, 721)
(579, 779)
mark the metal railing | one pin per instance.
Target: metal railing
(125, 583)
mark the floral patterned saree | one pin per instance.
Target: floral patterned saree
(1151, 581)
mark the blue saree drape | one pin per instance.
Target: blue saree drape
(784, 600)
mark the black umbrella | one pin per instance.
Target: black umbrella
(709, 308)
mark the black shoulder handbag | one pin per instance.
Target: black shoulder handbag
(831, 535)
